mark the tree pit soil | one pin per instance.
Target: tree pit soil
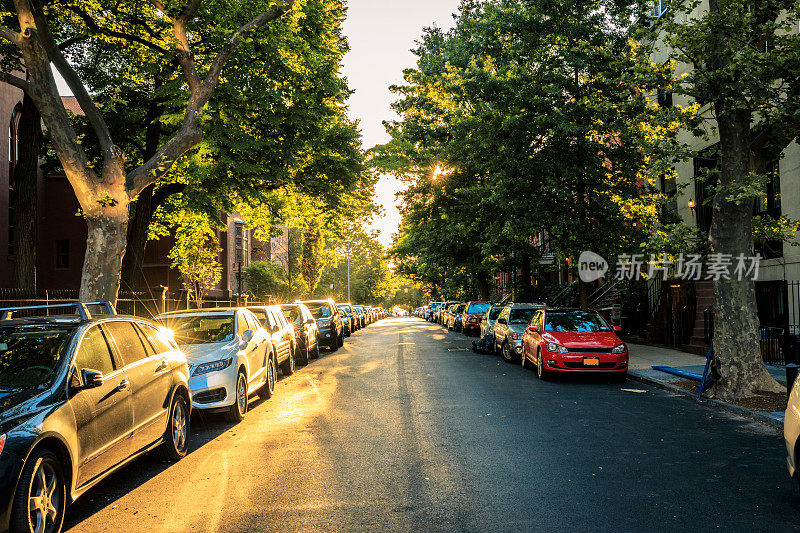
(768, 402)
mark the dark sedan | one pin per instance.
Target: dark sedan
(329, 322)
(305, 330)
(79, 398)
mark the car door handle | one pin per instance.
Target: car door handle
(123, 384)
(162, 365)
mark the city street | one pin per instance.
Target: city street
(404, 428)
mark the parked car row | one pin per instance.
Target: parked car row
(554, 340)
(83, 394)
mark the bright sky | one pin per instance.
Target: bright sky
(381, 34)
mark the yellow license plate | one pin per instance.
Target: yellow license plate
(591, 361)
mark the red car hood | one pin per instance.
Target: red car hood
(579, 339)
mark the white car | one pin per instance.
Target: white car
(791, 430)
(230, 357)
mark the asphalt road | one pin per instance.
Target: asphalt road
(405, 429)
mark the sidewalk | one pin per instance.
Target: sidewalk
(642, 357)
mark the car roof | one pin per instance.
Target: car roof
(525, 306)
(200, 312)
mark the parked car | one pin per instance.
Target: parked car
(473, 315)
(281, 335)
(306, 333)
(489, 318)
(80, 397)
(329, 322)
(230, 357)
(442, 312)
(430, 316)
(574, 340)
(509, 327)
(791, 430)
(348, 319)
(456, 320)
(361, 316)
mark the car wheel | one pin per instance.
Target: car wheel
(176, 438)
(334, 345)
(287, 367)
(341, 339)
(268, 389)
(506, 352)
(305, 354)
(237, 411)
(40, 498)
(540, 371)
(316, 348)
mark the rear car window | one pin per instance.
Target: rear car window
(520, 316)
(128, 341)
(157, 337)
(478, 308)
(29, 355)
(319, 310)
(494, 312)
(93, 353)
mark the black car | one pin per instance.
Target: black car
(329, 322)
(81, 396)
(305, 330)
(348, 318)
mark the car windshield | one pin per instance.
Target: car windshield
(292, 313)
(520, 316)
(344, 310)
(319, 310)
(460, 308)
(29, 355)
(478, 308)
(575, 321)
(193, 329)
(494, 312)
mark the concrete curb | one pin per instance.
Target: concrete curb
(759, 416)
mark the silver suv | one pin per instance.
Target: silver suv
(509, 327)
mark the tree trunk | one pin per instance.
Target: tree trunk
(737, 348)
(483, 284)
(583, 288)
(26, 174)
(132, 272)
(105, 246)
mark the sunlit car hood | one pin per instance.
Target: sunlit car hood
(579, 339)
(212, 351)
(517, 328)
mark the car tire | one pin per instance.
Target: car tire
(620, 377)
(341, 339)
(237, 411)
(505, 351)
(268, 389)
(305, 354)
(522, 358)
(42, 464)
(315, 353)
(288, 366)
(176, 437)
(334, 345)
(540, 370)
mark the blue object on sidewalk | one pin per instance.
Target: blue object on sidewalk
(679, 372)
(708, 378)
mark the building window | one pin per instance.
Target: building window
(705, 184)
(239, 245)
(664, 98)
(768, 204)
(62, 254)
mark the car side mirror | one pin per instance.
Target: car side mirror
(91, 379)
(311, 321)
(247, 336)
(533, 329)
(618, 330)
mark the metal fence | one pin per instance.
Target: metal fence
(143, 304)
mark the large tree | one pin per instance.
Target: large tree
(743, 60)
(538, 118)
(105, 191)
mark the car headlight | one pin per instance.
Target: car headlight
(213, 366)
(556, 348)
(618, 349)
(324, 323)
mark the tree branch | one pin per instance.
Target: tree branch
(43, 35)
(16, 81)
(10, 35)
(190, 134)
(92, 24)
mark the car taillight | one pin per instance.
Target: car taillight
(2, 443)
(514, 336)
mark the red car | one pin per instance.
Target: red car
(573, 340)
(472, 316)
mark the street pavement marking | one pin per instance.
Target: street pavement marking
(633, 390)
